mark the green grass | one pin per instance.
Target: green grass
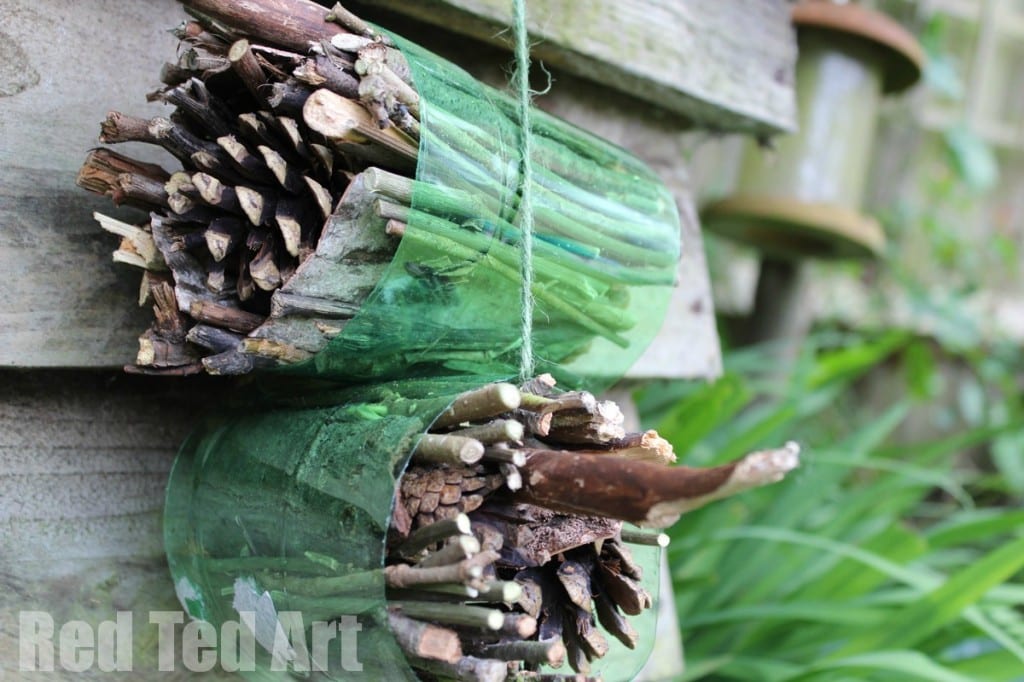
(876, 560)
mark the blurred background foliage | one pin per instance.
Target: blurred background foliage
(887, 556)
(896, 552)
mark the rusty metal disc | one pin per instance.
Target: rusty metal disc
(790, 229)
(903, 56)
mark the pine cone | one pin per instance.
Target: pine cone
(432, 493)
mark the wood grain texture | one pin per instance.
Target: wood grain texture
(687, 347)
(726, 66)
(85, 459)
(64, 303)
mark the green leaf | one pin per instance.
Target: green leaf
(701, 413)
(974, 526)
(944, 604)
(849, 363)
(920, 370)
(1007, 455)
(807, 611)
(972, 158)
(908, 665)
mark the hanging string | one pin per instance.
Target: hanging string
(521, 84)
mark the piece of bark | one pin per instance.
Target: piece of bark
(225, 316)
(212, 338)
(292, 24)
(641, 492)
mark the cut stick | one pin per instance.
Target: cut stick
(482, 403)
(425, 640)
(322, 197)
(550, 653)
(513, 478)
(139, 190)
(216, 193)
(457, 549)
(503, 591)
(342, 120)
(283, 173)
(497, 453)
(322, 71)
(445, 449)
(258, 207)
(402, 575)
(247, 163)
(224, 316)
(635, 537)
(215, 339)
(102, 166)
(497, 431)
(519, 625)
(248, 68)
(647, 446)
(349, 21)
(643, 493)
(467, 668)
(423, 537)
(223, 235)
(452, 614)
(141, 241)
(289, 129)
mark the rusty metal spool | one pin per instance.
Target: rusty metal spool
(803, 200)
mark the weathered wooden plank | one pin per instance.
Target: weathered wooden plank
(61, 301)
(84, 460)
(687, 347)
(726, 66)
(64, 304)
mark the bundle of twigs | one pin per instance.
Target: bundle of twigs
(297, 133)
(507, 546)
